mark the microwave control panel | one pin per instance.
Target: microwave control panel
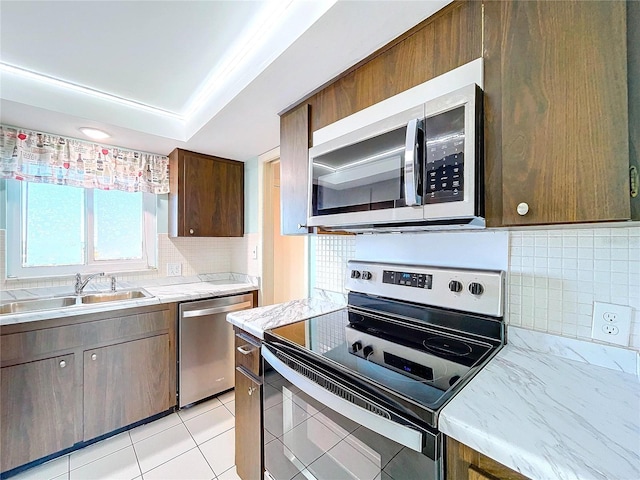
(444, 169)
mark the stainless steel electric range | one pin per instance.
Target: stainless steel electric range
(357, 393)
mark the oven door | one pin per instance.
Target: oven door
(319, 425)
(370, 176)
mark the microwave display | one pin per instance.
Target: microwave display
(445, 157)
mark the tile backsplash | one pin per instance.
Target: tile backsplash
(331, 255)
(554, 275)
(195, 255)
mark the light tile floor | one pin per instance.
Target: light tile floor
(194, 444)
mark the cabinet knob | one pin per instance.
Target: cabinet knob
(63, 364)
(191, 231)
(94, 356)
(251, 390)
(523, 208)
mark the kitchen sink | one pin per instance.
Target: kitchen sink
(113, 296)
(22, 306)
(38, 304)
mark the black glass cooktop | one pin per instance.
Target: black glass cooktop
(420, 362)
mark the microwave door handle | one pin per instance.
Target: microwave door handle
(411, 166)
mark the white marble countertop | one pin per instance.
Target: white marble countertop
(175, 289)
(553, 412)
(257, 320)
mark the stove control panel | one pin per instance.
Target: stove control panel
(408, 279)
(477, 291)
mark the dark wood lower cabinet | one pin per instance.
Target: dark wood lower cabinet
(70, 380)
(125, 383)
(38, 409)
(464, 463)
(248, 426)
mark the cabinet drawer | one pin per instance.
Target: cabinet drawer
(248, 353)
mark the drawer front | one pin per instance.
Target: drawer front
(40, 343)
(248, 353)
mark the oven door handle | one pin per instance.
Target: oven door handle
(401, 434)
(411, 164)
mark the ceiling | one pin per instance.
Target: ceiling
(209, 76)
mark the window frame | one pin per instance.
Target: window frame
(14, 235)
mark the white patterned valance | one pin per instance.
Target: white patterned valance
(45, 158)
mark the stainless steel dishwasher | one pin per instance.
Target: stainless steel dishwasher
(206, 347)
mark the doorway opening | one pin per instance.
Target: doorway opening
(285, 258)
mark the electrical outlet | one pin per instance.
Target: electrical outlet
(254, 252)
(611, 323)
(174, 269)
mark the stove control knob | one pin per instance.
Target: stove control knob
(455, 286)
(368, 350)
(476, 288)
(366, 275)
(355, 274)
(356, 347)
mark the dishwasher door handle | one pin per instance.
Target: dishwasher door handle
(213, 310)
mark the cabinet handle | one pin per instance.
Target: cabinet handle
(191, 231)
(251, 390)
(63, 364)
(246, 351)
(523, 209)
(301, 226)
(94, 356)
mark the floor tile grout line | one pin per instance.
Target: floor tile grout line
(169, 459)
(99, 458)
(173, 458)
(153, 435)
(136, 455)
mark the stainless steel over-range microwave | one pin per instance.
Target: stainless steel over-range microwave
(418, 169)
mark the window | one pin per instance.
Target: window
(57, 230)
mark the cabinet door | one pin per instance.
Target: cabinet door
(562, 69)
(126, 383)
(295, 139)
(38, 410)
(248, 427)
(213, 196)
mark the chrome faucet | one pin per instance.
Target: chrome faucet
(80, 284)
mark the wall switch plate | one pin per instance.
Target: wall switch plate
(254, 252)
(611, 323)
(174, 269)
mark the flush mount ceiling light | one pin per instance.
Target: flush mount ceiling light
(94, 133)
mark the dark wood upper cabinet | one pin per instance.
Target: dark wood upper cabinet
(207, 196)
(557, 134)
(561, 105)
(633, 74)
(411, 59)
(294, 170)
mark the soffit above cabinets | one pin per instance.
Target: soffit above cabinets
(205, 76)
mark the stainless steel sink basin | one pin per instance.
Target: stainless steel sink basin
(113, 296)
(39, 304)
(23, 306)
